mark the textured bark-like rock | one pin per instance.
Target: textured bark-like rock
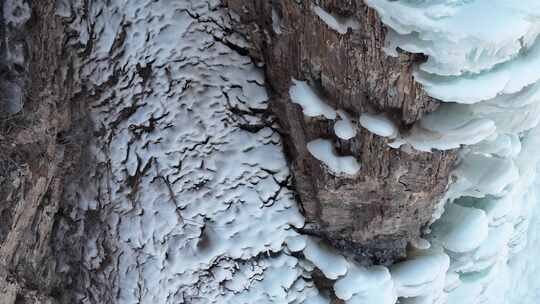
(373, 214)
(38, 152)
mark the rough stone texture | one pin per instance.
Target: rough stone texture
(38, 152)
(374, 214)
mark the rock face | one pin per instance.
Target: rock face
(373, 214)
(38, 154)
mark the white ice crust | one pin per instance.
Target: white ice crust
(344, 128)
(378, 124)
(323, 150)
(214, 224)
(311, 102)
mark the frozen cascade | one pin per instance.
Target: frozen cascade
(478, 244)
(483, 67)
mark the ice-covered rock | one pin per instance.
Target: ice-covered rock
(483, 62)
(421, 275)
(448, 128)
(461, 229)
(311, 102)
(379, 125)
(480, 175)
(434, 28)
(344, 128)
(331, 263)
(215, 213)
(323, 150)
(365, 283)
(485, 67)
(337, 23)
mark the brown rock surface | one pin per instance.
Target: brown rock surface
(39, 150)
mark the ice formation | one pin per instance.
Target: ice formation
(448, 128)
(379, 125)
(461, 229)
(435, 28)
(344, 128)
(326, 259)
(311, 102)
(314, 105)
(323, 150)
(485, 71)
(366, 285)
(483, 58)
(423, 272)
(337, 23)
